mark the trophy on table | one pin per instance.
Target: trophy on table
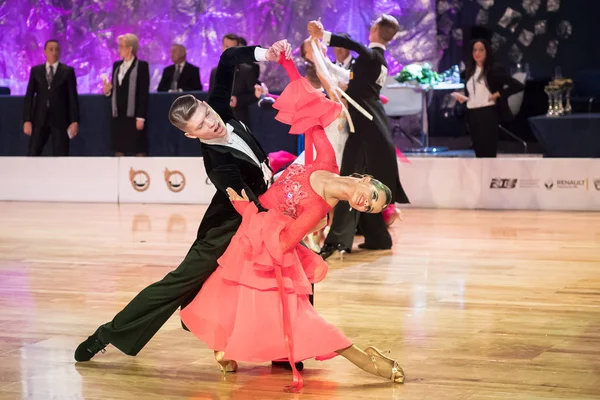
(559, 92)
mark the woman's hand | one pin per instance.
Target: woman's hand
(494, 97)
(461, 98)
(233, 196)
(315, 29)
(281, 46)
(107, 87)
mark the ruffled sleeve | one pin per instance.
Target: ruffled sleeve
(301, 105)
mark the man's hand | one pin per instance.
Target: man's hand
(74, 129)
(139, 124)
(315, 29)
(261, 89)
(27, 128)
(233, 102)
(277, 48)
(258, 91)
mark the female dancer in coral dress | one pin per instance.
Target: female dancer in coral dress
(255, 306)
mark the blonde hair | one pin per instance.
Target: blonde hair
(130, 40)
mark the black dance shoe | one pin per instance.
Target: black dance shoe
(329, 249)
(89, 348)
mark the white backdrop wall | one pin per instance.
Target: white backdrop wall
(468, 183)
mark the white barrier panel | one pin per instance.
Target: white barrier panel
(502, 183)
(164, 180)
(442, 182)
(541, 184)
(65, 179)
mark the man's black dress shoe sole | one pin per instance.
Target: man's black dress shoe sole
(365, 246)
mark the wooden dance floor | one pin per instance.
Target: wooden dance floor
(475, 305)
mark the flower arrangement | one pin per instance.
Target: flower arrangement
(422, 74)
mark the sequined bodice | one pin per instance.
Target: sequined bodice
(293, 195)
(307, 111)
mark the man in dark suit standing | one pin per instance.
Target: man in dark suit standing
(51, 109)
(370, 150)
(255, 66)
(181, 76)
(242, 91)
(232, 158)
(343, 58)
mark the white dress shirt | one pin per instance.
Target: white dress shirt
(234, 141)
(123, 70)
(346, 62)
(479, 94)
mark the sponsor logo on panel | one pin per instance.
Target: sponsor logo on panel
(567, 184)
(511, 183)
(140, 180)
(175, 180)
(503, 183)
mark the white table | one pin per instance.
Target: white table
(425, 91)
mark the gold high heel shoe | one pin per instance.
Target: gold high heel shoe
(397, 372)
(225, 365)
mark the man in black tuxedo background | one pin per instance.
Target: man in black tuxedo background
(370, 150)
(51, 104)
(181, 76)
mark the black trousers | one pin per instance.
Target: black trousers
(483, 127)
(133, 327)
(40, 135)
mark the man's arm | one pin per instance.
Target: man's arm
(143, 91)
(73, 97)
(315, 29)
(245, 81)
(163, 85)
(220, 94)
(28, 101)
(196, 83)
